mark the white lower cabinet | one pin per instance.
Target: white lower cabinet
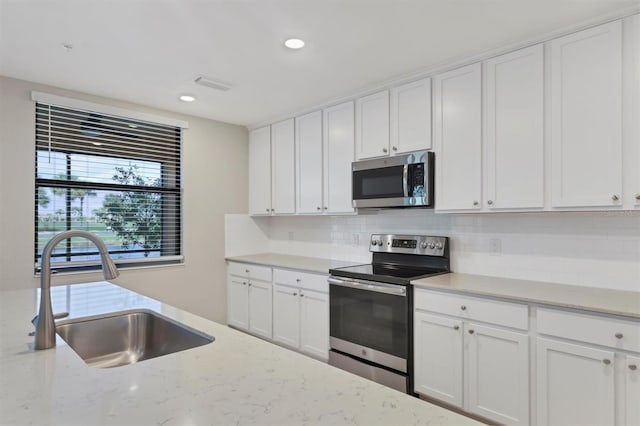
(301, 312)
(497, 373)
(632, 390)
(260, 308)
(249, 301)
(438, 357)
(238, 302)
(584, 369)
(575, 384)
(483, 369)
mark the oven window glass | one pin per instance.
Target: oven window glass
(386, 182)
(376, 320)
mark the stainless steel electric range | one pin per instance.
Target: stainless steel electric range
(371, 307)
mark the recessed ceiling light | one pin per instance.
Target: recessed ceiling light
(294, 43)
(187, 98)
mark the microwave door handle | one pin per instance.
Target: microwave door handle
(396, 290)
(405, 180)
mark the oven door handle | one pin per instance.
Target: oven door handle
(378, 288)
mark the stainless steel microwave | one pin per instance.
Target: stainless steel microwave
(399, 181)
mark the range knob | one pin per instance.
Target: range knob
(439, 246)
(376, 242)
(432, 245)
(423, 245)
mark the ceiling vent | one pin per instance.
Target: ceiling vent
(214, 84)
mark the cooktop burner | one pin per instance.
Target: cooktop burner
(399, 259)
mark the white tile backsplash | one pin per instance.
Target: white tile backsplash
(594, 249)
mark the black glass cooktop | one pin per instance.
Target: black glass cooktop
(387, 273)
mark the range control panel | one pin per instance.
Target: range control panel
(409, 244)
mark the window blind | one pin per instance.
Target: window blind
(115, 176)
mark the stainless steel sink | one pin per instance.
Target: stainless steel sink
(123, 338)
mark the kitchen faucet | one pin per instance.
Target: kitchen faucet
(44, 321)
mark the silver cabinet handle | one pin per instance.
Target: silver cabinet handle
(490, 202)
(638, 196)
(619, 335)
(633, 367)
(385, 150)
(246, 271)
(301, 295)
(464, 308)
(456, 327)
(249, 284)
(297, 280)
(268, 210)
(325, 208)
(244, 283)
(318, 208)
(475, 203)
(615, 197)
(273, 210)
(395, 148)
(471, 332)
(295, 294)
(606, 361)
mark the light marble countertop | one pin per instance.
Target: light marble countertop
(238, 379)
(311, 264)
(614, 302)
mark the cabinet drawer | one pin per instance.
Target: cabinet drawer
(611, 332)
(301, 279)
(474, 308)
(249, 271)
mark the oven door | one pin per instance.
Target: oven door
(370, 320)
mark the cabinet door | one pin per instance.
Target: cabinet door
(238, 302)
(498, 374)
(260, 171)
(575, 384)
(309, 163)
(339, 147)
(633, 105)
(411, 117)
(260, 308)
(314, 323)
(438, 357)
(286, 314)
(586, 118)
(458, 138)
(632, 390)
(515, 130)
(372, 125)
(282, 167)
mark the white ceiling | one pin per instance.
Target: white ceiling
(149, 51)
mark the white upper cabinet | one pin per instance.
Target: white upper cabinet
(372, 125)
(260, 171)
(282, 167)
(309, 163)
(411, 117)
(632, 112)
(514, 171)
(338, 154)
(458, 138)
(586, 112)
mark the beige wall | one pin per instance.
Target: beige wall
(214, 180)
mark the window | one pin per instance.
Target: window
(116, 177)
